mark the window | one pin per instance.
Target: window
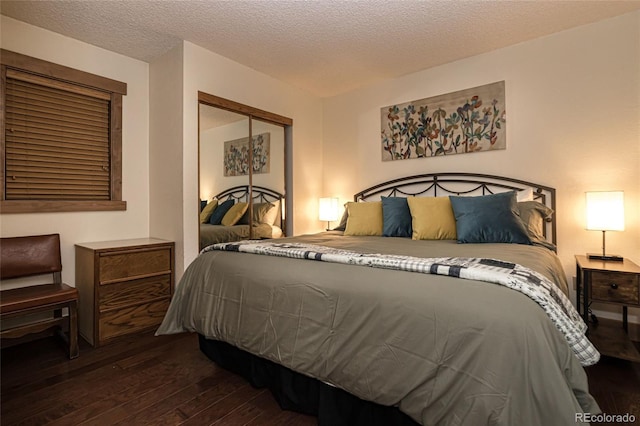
(61, 138)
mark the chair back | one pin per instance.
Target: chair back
(31, 255)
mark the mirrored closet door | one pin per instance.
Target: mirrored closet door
(242, 172)
(218, 126)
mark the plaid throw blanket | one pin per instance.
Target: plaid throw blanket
(528, 282)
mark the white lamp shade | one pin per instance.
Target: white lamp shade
(328, 209)
(605, 211)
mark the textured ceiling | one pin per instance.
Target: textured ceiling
(325, 47)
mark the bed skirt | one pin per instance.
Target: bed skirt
(300, 393)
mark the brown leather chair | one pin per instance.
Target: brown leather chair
(30, 256)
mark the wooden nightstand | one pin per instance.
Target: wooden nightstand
(616, 283)
(124, 286)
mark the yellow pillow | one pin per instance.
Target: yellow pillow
(364, 218)
(205, 214)
(234, 214)
(432, 218)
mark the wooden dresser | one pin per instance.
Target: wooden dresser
(124, 286)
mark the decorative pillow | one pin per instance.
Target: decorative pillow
(271, 215)
(525, 195)
(234, 214)
(343, 221)
(220, 211)
(262, 213)
(396, 217)
(364, 218)
(432, 218)
(206, 212)
(489, 219)
(203, 204)
(533, 215)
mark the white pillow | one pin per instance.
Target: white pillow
(525, 194)
(272, 214)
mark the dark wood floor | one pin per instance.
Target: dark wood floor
(144, 380)
(168, 381)
(615, 384)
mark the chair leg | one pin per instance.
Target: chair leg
(73, 330)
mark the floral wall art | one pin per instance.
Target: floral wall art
(471, 120)
(236, 155)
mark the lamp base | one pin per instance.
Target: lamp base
(605, 257)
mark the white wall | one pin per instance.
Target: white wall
(165, 151)
(80, 227)
(573, 123)
(214, 74)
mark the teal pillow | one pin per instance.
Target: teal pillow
(489, 219)
(396, 217)
(220, 211)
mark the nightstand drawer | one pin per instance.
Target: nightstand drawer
(127, 293)
(614, 287)
(130, 320)
(131, 264)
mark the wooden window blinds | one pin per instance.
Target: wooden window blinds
(57, 142)
(61, 140)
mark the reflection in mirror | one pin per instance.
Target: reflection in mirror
(228, 164)
(220, 129)
(217, 127)
(268, 173)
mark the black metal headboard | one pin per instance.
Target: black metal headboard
(443, 184)
(259, 194)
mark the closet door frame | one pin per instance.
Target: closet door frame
(261, 115)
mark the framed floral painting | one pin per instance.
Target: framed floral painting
(470, 120)
(236, 155)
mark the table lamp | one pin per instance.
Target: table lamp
(605, 212)
(328, 210)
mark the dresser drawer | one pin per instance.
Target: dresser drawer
(122, 265)
(132, 319)
(615, 287)
(127, 293)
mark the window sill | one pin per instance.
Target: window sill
(52, 206)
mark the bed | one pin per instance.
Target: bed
(271, 228)
(369, 329)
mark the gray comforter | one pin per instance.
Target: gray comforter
(444, 350)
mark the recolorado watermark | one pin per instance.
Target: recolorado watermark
(605, 418)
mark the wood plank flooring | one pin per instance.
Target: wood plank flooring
(147, 380)
(139, 380)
